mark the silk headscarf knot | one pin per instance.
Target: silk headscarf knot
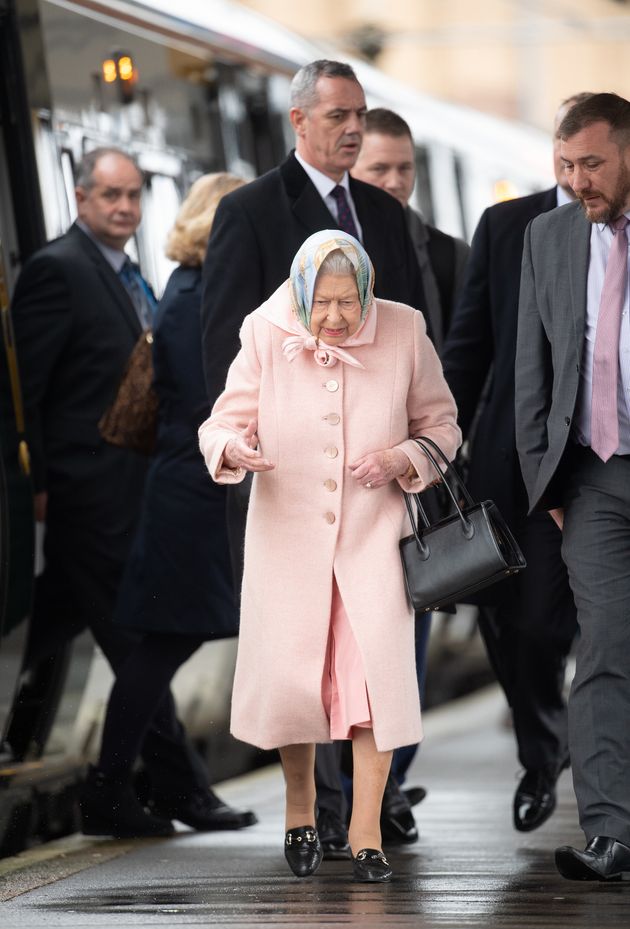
(302, 279)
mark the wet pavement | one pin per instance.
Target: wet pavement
(470, 868)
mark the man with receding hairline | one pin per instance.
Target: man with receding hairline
(573, 438)
(79, 308)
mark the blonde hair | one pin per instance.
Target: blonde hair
(188, 239)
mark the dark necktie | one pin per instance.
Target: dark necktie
(344, 216)
(138, 290)
(604, 414)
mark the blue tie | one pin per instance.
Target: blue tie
(344, 215)
(139, 292)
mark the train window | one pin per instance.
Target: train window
(444, 184)
(159, 207)
(459, 187)
(278, 88)
(67, 171)
(57, 215)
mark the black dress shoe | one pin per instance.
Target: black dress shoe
(397, 822)
(534, 800)
(333, 836)
(204, 811)
(110, 806)
(414, 795)
(303, 850)
(371, 866)
(603, 859)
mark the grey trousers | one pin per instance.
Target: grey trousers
(596, 549)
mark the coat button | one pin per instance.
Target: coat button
(330, 484)
(567, 421)
(332, 418)
(330, 518)
(332, 386)
(331, 451)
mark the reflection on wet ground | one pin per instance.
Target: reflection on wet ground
(470, 867)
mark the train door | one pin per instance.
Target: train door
(29, 700)
(19, 229)
(16, 510)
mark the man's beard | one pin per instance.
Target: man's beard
(615, 205)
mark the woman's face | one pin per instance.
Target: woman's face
(336, 312)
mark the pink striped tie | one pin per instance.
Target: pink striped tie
(604, 414)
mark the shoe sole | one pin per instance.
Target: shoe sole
(574, 870)
(372, 880)
(308, 873)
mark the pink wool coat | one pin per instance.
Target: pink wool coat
(309, 518)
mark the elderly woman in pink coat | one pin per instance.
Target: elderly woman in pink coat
(322, 403)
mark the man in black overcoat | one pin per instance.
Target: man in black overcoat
(528, 623)
(78, 310)
(256, 233)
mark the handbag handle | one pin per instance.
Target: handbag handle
(467, 526)
(450, 468)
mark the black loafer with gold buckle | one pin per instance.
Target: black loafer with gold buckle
(302, 850)
(371, 865)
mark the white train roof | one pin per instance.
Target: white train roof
(243, 34)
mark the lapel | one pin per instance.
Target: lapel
(370, 218)
(120, 298)
(579, 240)
(306, 204)
(434, 312)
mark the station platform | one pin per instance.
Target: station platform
(469, 868)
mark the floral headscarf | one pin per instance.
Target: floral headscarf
(309, 260)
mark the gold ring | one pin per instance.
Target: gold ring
(369, 485)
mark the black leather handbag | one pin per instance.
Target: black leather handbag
(445, 561)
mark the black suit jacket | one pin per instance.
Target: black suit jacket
(257, 231)
(75, 327)
(482, 343)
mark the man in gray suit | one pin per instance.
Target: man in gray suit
(573, 438)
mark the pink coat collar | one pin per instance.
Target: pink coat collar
(278, 311)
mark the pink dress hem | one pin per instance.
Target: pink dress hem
(344, 689)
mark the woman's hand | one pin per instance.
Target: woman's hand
(379, 468)
(242, 451)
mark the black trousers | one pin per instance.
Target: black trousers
(138, 710)
(78, 590)
(528, 635)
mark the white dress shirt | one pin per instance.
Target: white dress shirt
(601, 240)
(324, 187)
